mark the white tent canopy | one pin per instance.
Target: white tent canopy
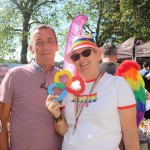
(125, 50)
(143, 50)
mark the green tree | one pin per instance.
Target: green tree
(135, 18)
(104, 18)
(7, 34)
(22, 11)
(113, 20)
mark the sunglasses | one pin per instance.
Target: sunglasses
(85, 53)
(44, 86)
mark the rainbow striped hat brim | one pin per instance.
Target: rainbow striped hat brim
(82, 42)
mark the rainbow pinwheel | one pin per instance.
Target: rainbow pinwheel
(130, 71)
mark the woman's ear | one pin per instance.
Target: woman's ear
(99, 58)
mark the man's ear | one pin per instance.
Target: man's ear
(57, 48)
(116, 59)
(31, 49)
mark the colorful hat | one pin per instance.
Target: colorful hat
(82, 42)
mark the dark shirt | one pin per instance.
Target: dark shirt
(108, 67)
(144, 72)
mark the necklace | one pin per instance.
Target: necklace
(79, 111)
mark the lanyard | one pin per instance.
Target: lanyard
(79, 111)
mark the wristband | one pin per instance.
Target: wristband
(58, 118)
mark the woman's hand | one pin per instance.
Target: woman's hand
(53, 106)
(55, 109)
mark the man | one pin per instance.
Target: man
(145, 69)
(148, 76)
(144, 72)
(23, 95)
(109, 59)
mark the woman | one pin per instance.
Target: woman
(103, 113)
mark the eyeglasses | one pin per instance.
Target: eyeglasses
(44, 87)
(85, 53)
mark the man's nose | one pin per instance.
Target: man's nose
(45, 45)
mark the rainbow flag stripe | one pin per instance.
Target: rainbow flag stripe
(88, 98)
(83, 41)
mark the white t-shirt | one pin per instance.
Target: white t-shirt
(98, 126)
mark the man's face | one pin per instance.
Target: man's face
(43, 46)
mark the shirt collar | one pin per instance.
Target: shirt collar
(38, 68)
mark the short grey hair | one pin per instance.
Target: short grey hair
(43, 26)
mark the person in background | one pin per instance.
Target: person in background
(147, 95)
(145, 69)
(109, 59)
(100, 116)
(109, 65)
(144, 72)
(148, 76)
(147, 113)
(23, 95)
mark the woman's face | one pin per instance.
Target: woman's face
(86, 61)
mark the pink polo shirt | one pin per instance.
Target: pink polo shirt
(31, 125)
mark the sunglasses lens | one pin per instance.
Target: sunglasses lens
(75, 57)
(86, 53)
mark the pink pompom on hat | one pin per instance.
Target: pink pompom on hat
(82, 42)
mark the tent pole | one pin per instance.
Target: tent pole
(133, 53)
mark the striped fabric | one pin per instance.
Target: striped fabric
(82, 41)
(86, 97)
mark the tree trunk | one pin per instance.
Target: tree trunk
(25, 39)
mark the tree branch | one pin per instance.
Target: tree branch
(87, 26)
(41, 4)
(16, 3)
